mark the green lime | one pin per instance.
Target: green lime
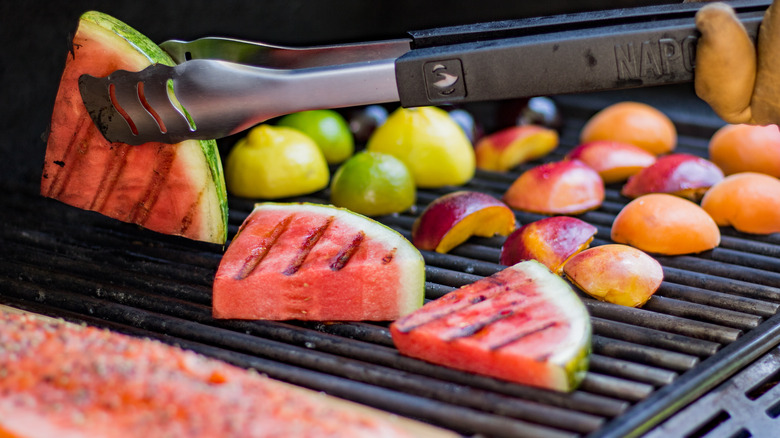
(275, 162)
(430, 143)
(373, 184)
(328, 129)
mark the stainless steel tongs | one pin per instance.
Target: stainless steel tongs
(223, 86)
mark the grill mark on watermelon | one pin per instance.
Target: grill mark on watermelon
(455, 301)
(346, 253)
(307, 246)
(111, 174)
(387, 258)
(522, 335)
(259, 252)
(162, 168)
(186, 221)
(476, 326)
(62, 173)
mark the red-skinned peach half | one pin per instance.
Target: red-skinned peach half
(747, 201)
(683, 175)
(506, 149)
(551, 241)
(615, 273)
(453, 218)
(560, 187)
(660, 223)
(615, 161)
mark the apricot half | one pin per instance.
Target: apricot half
(616, 273)
(747, 201)
(560, 187)
(660, 223)
(615, 161)
(747, 148)
(632, 122)
(453, 218)
(551, 241)
(683, 175)
(512, 146)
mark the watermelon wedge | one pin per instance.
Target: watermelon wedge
(172, 189)
(65, 380)
(523, 324)
(316, 262)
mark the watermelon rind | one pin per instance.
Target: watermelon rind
(198, 160)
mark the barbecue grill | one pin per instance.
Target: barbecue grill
(701, 358)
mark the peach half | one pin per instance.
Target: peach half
(560, 187)
(512, 146)
(453, 218)
(683, 175)
(747, 148)
(660, 223)
(747, 201)
(551, 241)
(615, 273)
(632, 122)
(615, 161)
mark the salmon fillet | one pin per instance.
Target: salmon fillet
(66, 380)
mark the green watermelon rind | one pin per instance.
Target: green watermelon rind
(406, 250)
(155, 54)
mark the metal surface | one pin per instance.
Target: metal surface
(746, 405)
(714, 314)
(207, 99)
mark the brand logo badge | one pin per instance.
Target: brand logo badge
(444, 80)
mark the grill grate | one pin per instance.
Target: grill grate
(713, 315)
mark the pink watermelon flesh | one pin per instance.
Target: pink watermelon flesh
(523, 324)
(172, 189)
(311, 262)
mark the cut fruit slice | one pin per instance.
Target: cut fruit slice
(172, 189)
(67, 380)
(523, 324)
(316, 262)
(453, 218)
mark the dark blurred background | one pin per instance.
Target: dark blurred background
(36, 38)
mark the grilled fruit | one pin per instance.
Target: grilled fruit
(614, 161)
(551, 241)
(747, 201)
(618, 274)
(683, 175)
(523, 324)
(315, 262)
(66, 380)
(561, 187)
(451, 219)
(746, 148)
(508, 148)
(632, 122)
(173, 189)
(660, 223)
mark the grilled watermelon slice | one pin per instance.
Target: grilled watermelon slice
(317, 262)
(173, 189)
(523, 324)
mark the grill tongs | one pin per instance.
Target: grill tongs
(223, 86)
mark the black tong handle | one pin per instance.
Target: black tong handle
(556, 55)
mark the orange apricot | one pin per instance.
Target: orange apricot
(747, 201)
(661, 223)
(746, 148)
(632, 122)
